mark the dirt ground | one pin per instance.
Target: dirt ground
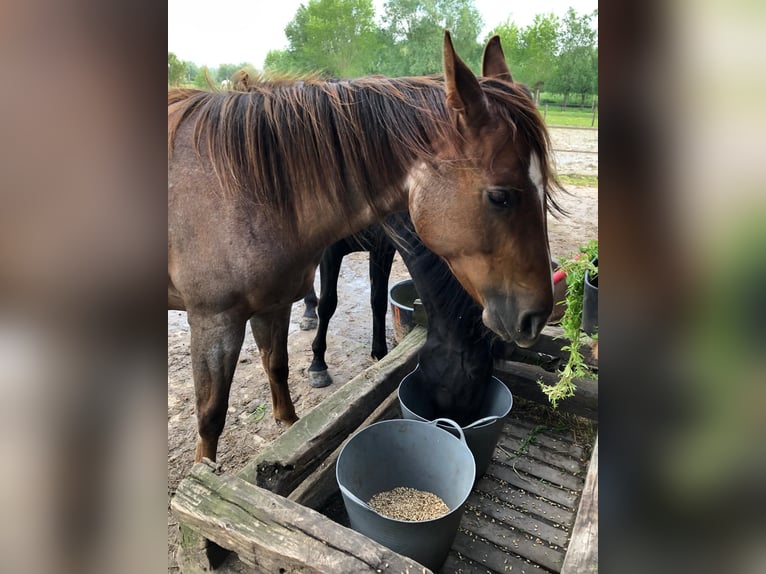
(249, 424)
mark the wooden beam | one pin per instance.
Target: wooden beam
(321, 484)
(582, 554)
(270, 533)
(291, 457)
(522, 379)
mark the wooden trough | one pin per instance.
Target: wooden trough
(535, 510)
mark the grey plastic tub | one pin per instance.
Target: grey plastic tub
(413, 454)
(401, 297)
(482, 434)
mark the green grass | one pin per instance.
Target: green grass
(585, 180)
(570, 117)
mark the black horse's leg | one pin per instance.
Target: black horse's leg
(270, 332)
(215, 345)
(309, 319)
(381, 259)
(329, 269)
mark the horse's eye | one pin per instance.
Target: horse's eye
(500, 197)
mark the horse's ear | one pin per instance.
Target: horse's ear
(493, 64)
(464, 94)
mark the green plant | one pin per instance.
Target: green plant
(571, 322)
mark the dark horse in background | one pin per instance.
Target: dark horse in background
(260, 183)
(319, 310)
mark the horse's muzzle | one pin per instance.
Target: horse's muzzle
(515, 323)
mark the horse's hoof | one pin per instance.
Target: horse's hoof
(287, 423)
(308, 323)
(319, 379)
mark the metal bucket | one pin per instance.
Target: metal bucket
(401, 297)
(482, 434)
(412, 454)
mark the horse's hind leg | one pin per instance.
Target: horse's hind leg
(309, 319)
(381, 259)
(215, 345)
(270, 332)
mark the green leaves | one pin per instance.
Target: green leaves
(571, 322)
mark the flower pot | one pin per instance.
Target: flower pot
(590, 303)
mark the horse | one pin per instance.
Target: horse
(260, 182)
(375, 240)
(226, 85)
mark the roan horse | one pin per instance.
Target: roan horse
(259, 183)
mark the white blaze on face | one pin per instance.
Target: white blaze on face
(536, 176)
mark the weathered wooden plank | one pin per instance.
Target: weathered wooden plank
(582, 554)
(484, 557)
(544, 438)
(561, 496)
(513, 541)
(530, 504)
(321, 484)
(538, 470)
(290, 458)
(272, 534)
(485, 500)
(550, 342)
(522, 379)
(512, 445)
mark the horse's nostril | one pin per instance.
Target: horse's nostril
(532, 322)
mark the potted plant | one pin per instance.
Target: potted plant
(583, 265)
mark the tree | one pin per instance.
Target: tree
(191, 71)
(415, 31)
(176, 70)
(575, 70)
(540, 42)
(203, 79)
(225, 71)
(336, 37)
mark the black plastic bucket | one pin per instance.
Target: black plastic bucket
(590, 303)
(482, 434)
(412, 454)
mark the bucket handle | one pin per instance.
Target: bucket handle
(453, 424)
(485, 420)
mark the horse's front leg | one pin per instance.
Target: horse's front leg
(270, 332)
(381, 259)
(215, 345)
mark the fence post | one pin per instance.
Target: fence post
(593, 119)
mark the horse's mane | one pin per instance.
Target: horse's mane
(287, 136)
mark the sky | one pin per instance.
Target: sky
(239, 31)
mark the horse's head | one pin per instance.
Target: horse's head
(481, 204)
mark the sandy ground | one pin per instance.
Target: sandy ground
(249, 424)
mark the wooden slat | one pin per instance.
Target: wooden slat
(522, 379)
(547, 440)
(290, 458)
(530, 504)
(564, 497)
(519, 520)
(541, 470)
(512, 445)
(485, 556)
(272, 534)
(582, 554)
(513, 541)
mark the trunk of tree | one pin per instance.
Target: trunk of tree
(564, 103)
(537, 96)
